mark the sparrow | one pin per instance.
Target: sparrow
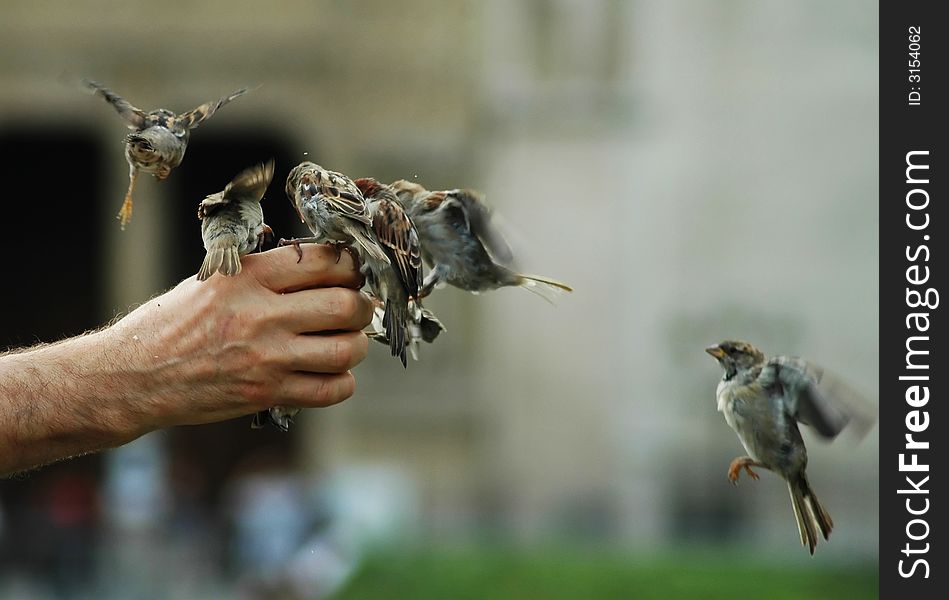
(333, 209)
(280, 417)
(159, 138)
(460, 243)
(232, 221)
(424, 326)
(397, 283)
(764, 400)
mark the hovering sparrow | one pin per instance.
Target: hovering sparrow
(334, 210)
(460, 243)
(397, 282)
(232, 221)
(159, 138)
(763, 400)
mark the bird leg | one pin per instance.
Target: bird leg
(743, 462)
(340, 246)
(265, 238)
(125, 213)
(431, 280)
(295, 242)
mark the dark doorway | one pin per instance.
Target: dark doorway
(213, 453)
(52, 284)
(52, 289)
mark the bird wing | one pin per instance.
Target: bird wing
(342, 195)
(478, 216)
(248, 184)
(252, 182)
(399, 239)
(815, 397)
(211, 204)
(196, 116)
(407, 191)
(134, 117)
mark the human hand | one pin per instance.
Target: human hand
(281, 333)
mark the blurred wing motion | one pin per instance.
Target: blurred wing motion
(478, 219)
(462, 245)
(817, 398)
(196, 116)
(134, 117)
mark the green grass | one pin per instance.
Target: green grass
(553, 575)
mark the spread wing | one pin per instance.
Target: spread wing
(212, 204)
(195, 117)
(134, 117)
(252, 182)
(478, 216)
(249, 184)
(399, 239)
(816, 398)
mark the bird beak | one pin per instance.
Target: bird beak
(715, 351)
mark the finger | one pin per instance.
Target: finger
(320, 266)
(328, 353)
(312, 390)
(324, 309)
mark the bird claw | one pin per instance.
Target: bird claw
(353, 255)
(734, 470)
(296, 246)
(125, 213)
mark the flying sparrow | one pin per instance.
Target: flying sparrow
(397, 283)
(333, 209)
(159, 138)
(232, 221)
(763, 400)
(460, 243)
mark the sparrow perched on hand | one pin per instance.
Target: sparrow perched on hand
(460, 243)
(763, 400)
(159, 138)
(396, 284)
(334, 210)
(232, 221)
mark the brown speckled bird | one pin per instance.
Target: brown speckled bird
(333, 209)
(397, 283)
(763, 400)
(232, 221)
(158, 140)
(424, 326)
(461, 245)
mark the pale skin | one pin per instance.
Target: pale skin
(278, 333)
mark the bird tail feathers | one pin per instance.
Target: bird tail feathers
(812, 519)
(544, 287)
(224, 260)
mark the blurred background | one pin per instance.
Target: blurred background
(696, 170)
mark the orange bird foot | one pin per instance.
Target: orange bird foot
(734, 470)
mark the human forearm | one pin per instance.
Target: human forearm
(63, 399)
(281, 333)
